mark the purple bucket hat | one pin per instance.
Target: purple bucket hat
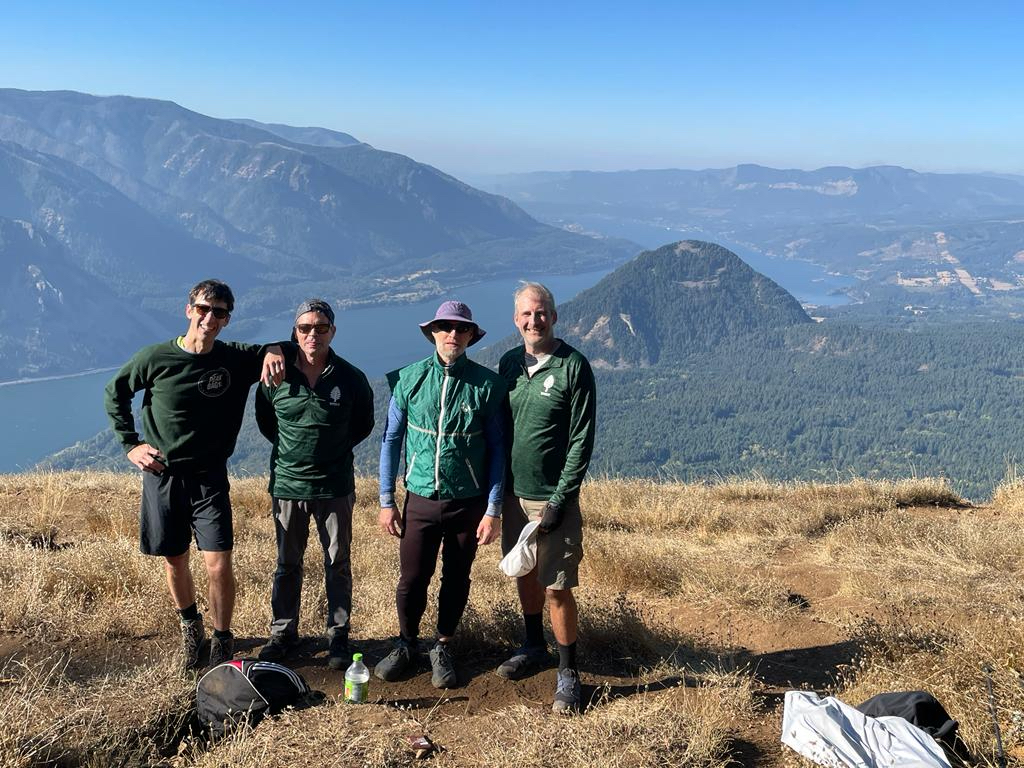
(456, 312)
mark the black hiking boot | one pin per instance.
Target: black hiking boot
(278, 647)
(338, 656)
(221, 649)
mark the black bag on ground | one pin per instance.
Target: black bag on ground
(246, 689)
(923, 710)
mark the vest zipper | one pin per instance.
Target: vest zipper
(472, 474)
(440, 422)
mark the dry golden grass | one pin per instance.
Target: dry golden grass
(928, 587)
(50, 717)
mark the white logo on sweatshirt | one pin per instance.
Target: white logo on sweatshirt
(549, 382)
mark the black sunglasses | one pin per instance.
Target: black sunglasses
(219, 312)
(306, 328)
(446, 327)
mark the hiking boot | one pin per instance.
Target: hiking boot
(221, 649)
(192, 636)
(393, 666)
(337, 652)
(524, 662)
(568, 693)
(278, 647)
(444, 668)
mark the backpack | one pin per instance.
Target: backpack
(246, 690)
(923, 710)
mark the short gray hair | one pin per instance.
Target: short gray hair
(541, 290)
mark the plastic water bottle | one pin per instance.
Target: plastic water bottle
(357, 681)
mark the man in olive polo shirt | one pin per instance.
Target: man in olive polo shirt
(553, 403)
(322, 409)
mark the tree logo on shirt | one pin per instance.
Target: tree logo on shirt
(549, 382)
(335, 395)
(215, 383)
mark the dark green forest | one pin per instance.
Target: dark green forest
(826, 403)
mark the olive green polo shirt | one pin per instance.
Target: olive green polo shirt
(553, 423)
(314, 429)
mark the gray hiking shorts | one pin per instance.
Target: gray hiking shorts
(558, 553)
(178, 505)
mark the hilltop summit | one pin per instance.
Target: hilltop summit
(680, 299)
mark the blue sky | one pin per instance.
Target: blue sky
(483, 87)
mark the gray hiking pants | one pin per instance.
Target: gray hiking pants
(334, 527)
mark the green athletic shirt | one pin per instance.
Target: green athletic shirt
(313, 429)
(553, 423)
(193, 404)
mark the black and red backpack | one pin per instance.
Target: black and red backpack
(247, 690)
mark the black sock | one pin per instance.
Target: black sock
(222, 634)
(189, 614)
(567, 656)
(534, 629)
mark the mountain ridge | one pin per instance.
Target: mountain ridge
(150, 197)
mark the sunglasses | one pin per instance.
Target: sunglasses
(204, 309)
(307, 328)
(446, 327)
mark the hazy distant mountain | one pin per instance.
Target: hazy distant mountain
(916, 246)
(320, 137)
(54, 315)
(748, 193)
(149, 197)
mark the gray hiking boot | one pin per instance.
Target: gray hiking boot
(394, 665)
(524, 662)
(192, 636)
(221, 649)
(444, 668)
(278, 647)
(568, 693)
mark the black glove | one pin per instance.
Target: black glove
(552, 517)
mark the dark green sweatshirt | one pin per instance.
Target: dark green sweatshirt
(193, 404)
(553, 423)
(313, 429)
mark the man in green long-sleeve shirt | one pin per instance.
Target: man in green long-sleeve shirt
(322, 409)
(553, 404)
(195, 392)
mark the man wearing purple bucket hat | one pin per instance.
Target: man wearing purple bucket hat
(447, 411)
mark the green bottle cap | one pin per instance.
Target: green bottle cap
(357, 657)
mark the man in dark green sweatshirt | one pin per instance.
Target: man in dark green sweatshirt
(553, 402)
(314, 418)
(195, 392)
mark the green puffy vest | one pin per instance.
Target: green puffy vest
(446, 409)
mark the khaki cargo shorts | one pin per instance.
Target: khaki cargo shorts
(558, 553)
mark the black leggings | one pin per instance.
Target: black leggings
(428, 526)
